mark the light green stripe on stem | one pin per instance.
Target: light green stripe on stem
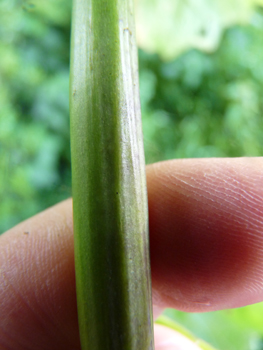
(108, 179)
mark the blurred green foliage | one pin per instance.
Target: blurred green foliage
(236, 329)
(34, 117)
(196, 105)
(206, 105)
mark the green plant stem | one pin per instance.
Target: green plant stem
(108, 179)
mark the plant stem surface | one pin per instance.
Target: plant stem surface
(108, 180)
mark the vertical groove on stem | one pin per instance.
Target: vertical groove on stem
(108, 179)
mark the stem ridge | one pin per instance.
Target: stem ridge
(108, 180)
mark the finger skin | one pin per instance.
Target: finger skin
(206, 224)
(206, 252)
(37, 283)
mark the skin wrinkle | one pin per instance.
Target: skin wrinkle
(228, 182)
(189, 256)
(6, 337)
(35, 315)
(230, 196)
(234, 204)
(40, 318)
(37, 256)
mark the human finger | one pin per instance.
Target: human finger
(205, 230)
(206, 225)
(37, 287)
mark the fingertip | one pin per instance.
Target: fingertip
(206, 227)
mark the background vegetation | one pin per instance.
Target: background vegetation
(200, 99)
